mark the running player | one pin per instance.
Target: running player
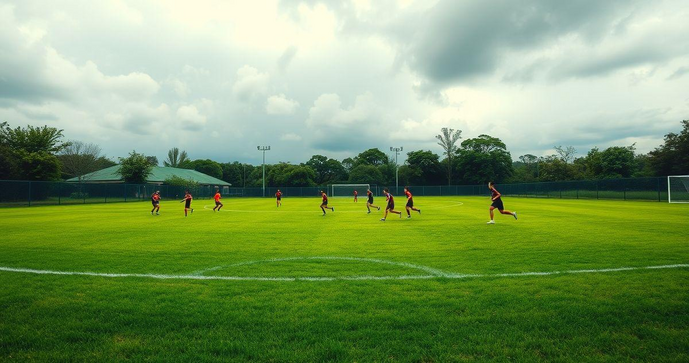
(324, 204)
(391, 205)
(218, 203)
(410, 203)
(187, 203)
(356, 196)
(278, 198)
(497, 203)
(155, 200)
(369, 203)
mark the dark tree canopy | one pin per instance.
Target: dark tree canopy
(483, 159)
(672, 158)
(135, 168)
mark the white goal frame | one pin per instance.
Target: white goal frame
(364, 187)
(669, 190)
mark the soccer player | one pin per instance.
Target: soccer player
(324, 204)
(155, 200)
(278, 198)
(218, 203)
(369, 203)
(356, 196)
(410, 202)
(187, 203)
(497, 203)
(391, 205)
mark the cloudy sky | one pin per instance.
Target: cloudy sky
(218, 78)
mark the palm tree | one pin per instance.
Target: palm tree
(448, 140)
(176, 159)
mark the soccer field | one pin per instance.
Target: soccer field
(567, 281)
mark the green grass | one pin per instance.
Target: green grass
(611, 316)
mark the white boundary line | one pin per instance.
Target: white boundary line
(342, 278)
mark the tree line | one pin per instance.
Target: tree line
(39, 153)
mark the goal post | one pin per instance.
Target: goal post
(347, 190)
(678, 189)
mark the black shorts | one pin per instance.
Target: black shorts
(217, 203)
(410, 203)
(498, 204)
(370, 200)
(155, 203)
(391, 206)
(279, 198)
(325, 203)
(187, 205)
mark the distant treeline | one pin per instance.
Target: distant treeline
(35, 153)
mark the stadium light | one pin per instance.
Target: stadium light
(264, 149)
(397, 167)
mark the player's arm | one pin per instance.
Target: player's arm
(497, 195)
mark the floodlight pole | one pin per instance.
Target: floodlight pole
(397, 168)
(264, 149)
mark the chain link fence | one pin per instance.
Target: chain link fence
(30, 193)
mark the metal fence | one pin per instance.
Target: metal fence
(29, 193)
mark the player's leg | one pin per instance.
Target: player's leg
(221, 205)
(385, 216)
(505, 211)
(408, 208)
(323, 208)
(491, 215)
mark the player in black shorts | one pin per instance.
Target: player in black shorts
(155, 200)
(391, 205)
(324, 204)
(369, 202)
(187, 202)
(495, 197)
(410, 202)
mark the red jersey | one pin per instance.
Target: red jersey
(155, 197)
(408, 194)
(325, 197)
(495, 195)
(389, 197)
(187, 197)
(278, 194)
(369, 193)
(356, 193)
(217, 197)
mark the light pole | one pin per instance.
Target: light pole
(264, 149)
(397, 168)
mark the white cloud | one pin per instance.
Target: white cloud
(190, 118)
(280, 105)
(327, 111)
(290, 137)
(250, 84)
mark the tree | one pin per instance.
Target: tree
(32, 139)
(153, 160)
(371, 157)
(566, 154)
(38, 166)
(135, 168)
(181, 182)
(618, 162)
(422, 168)
(448, 140)
(368, 174)
(300, 176)
(327, 170)
(236, 173)
(553, 168)
(348, 164)
(672, 158)
(79, 158)
(176, 159)
(208, 167)
(483, 159)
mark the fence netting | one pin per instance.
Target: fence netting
(28, 193)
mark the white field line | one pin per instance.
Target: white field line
(317, 210)
(429, 270)
(342, 278)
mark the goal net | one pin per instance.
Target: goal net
(347, 190)
(678, 189)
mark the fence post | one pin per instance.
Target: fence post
(125, 192)
(658, 179)
(105, 186)
(624, 194)
(29, 194)
(597, 190)
(577, 192)
(83, 195)
(59, 193)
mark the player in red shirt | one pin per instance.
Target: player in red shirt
(410, 203)
(497, 203)
(356, 196)
(187, 202)
(218, 203)
(278, 198)
(391, 205)
(155, 200)
(324, 204)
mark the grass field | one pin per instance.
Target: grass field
(291, 285)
